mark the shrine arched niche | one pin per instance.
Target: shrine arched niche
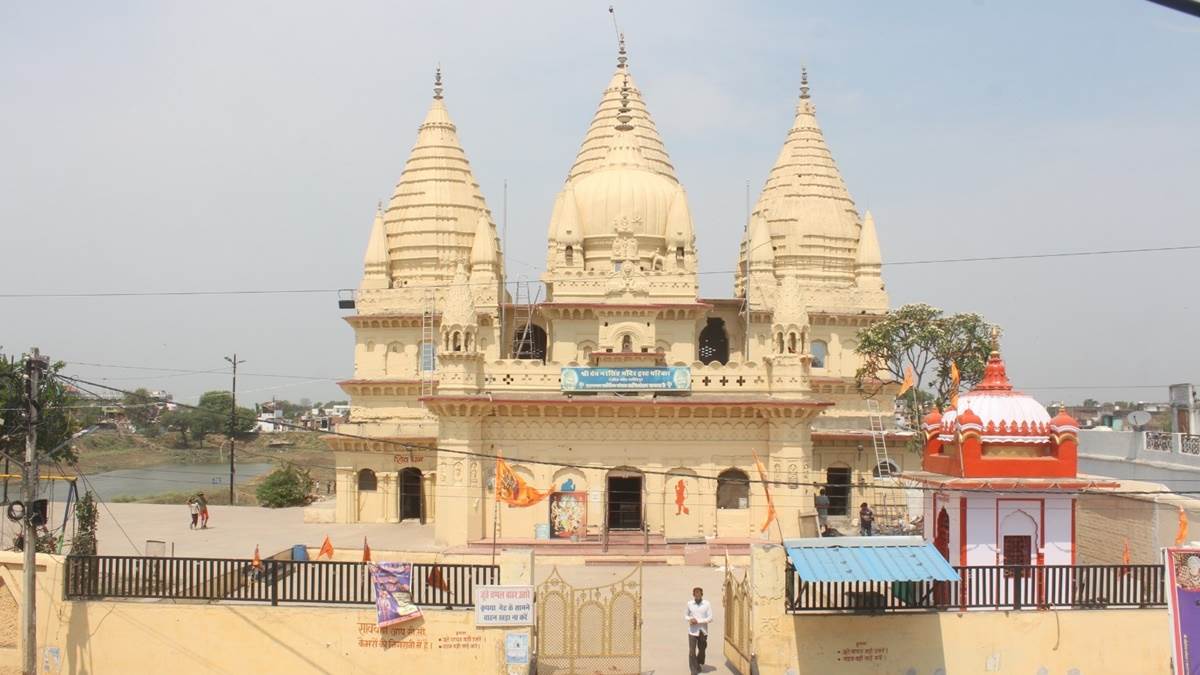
(683, 505)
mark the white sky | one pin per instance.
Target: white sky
(205, 146)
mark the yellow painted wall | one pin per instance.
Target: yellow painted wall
(1088, 641)
(158, 636)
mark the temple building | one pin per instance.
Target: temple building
(646, 401)
(1000, 477)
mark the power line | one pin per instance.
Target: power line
(668, 473)
(313, 291)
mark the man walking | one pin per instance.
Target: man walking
(698, 615)
(202, 502)
(866, 520)
(822, 503)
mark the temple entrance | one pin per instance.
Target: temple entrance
(624, 501)
(837, 488)
(412, 502)
(941, 537)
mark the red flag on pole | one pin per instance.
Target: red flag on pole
(1125, 557)
(910, 378)
(366, 551)
(436, 579)
(1182, 534)
(326, 549)
(256, 563)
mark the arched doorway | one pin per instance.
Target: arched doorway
(624, 499)
(941, 535)
(412, 502)
(837, 488)
(713, 343)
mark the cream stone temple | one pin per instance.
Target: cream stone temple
(645, 401)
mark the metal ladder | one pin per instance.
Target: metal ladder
(525, 302)
(890, 506)
(427, 353)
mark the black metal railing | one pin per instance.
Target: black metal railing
(999, 587)
(273, 581)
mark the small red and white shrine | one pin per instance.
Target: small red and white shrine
(1002, 477)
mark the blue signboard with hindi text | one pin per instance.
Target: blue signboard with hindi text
(636, 378)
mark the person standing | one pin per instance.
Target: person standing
(866, 519)
(202, 502)
(822, 502)
(194, 509)
(698, 615)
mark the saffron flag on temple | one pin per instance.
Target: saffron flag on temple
(762, 474)
(366, 551)
(954, 379)
(256, 562)
(910, 379)
(393, 593)
(512, 489)
(326, 549)
(1125, 557)
(1182, 534)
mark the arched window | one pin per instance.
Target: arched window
(569, 254)
(457, 342)
(733, 489)
(627, 343)
(529, 343)
(779, 342)
(714, 343)
(679, 255)
(885, 468)
(820, 353)
(791, 342)
(367, 482)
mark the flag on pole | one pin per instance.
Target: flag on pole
(910, 379)
(512, 489)
(366, 551)
(1125, 557)
(762, 474)
(1182, 535)
(326, 549)
(256, 562)
(954, 380)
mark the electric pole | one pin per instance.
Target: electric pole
(232, 422)
(33, 369)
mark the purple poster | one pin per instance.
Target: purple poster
(393, 593)
(1183, 586)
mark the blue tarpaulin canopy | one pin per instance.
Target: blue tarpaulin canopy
(868, 559)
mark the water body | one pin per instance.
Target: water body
(157, 480)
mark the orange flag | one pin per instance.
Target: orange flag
(436, 579)
(762, 474)
(1182, 535)
(366, 551)
(954, 379)
(910, 379)
(256, 563)
(326, 549)
(512, 489)
(1125, 557)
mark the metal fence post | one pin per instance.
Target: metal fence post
(273, 579)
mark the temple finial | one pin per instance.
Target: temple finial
(621, 54)
(804, 82)
(437, 83)
(623, 113)
(995, 339)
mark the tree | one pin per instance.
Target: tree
(1091, 403)
(140, 409)
(57, 421)
(86, 518)
(212, 415)
(287, 486)
(929, 341)
(178, 420)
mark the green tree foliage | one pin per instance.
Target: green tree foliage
(212, 415)
(57, 421)
(928, 340)
(141, 409)
(287, 486)
(178, 421)
(86, 519)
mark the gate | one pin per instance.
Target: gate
(737, 620)
(589, 630)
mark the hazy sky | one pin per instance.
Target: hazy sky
(163, 146)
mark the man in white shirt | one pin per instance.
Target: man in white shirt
(698, 615)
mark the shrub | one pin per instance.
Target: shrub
(287, 486)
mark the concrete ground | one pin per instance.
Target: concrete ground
(234, 531)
